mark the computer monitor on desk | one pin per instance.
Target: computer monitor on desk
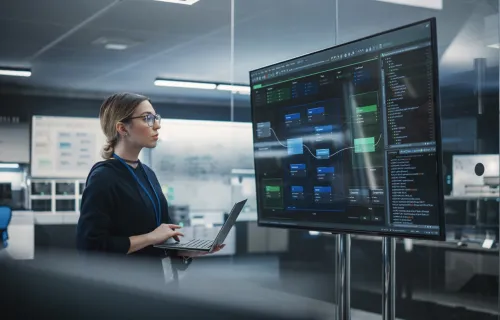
(348, 139)
(5, 193)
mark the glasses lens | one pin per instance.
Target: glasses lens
(150, 119)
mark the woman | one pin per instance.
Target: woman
(123, 209)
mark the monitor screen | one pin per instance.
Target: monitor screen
(65, 188)
(41, 205)
(41, 188)
(5, 192)
(348, 139)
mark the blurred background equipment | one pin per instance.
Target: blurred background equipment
(5, 218)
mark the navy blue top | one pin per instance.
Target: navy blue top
(114, 207)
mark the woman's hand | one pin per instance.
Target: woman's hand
(164, 232)
(193, 254)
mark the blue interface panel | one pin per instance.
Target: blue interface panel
(348, 138)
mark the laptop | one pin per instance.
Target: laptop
(207, 245)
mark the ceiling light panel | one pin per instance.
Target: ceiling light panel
(186, 2)
(428, 4)
(114, 43)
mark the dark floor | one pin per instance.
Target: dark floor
(365, 299)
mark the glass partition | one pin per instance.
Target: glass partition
(266, 32)
(190, 157)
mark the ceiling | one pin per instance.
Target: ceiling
(56, 39)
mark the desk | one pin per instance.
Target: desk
(57, 230)
(58, 218)
(21, 236)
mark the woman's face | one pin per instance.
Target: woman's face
(140, 132)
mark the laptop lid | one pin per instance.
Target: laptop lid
(231, 220)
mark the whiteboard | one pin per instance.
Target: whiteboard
(194, 159)
(15, 142)
(65, 147)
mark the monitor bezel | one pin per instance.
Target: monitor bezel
(437, 126)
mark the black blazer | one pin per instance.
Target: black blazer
(114, 207)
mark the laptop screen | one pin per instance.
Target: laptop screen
(233, 215)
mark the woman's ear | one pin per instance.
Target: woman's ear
(121, 129)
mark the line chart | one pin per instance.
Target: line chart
(307, 148)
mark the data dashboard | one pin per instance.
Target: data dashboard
(348, 139)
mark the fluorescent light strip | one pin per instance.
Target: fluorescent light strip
(202, 85)
(15, 73)
(234, 88)
(429, 4)
(494, 46)
(186, 2)
(9, 166)
(185, 84)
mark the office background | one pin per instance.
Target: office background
(81, 51)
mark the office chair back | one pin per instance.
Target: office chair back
(5, 217)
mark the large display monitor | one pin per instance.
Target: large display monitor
(348, 139)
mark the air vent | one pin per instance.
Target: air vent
(114, 43)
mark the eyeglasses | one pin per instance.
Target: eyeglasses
(149, 118)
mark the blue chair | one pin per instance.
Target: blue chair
(5, 217)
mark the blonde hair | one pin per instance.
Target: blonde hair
(116, 108)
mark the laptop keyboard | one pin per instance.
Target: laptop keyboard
(195, 244)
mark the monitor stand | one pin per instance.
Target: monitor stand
(343, 280)
(388, 278)
(343, 277)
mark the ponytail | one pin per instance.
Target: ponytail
(108, 149)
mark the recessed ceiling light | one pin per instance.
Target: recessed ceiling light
(429, 4)
(116, 46)
(187, 2)
(115, 43)
(15, 72)
(185, 84)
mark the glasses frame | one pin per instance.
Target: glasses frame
(156, 117)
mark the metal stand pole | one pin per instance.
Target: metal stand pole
(388, 278)
(344, 276)
(175, 276)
